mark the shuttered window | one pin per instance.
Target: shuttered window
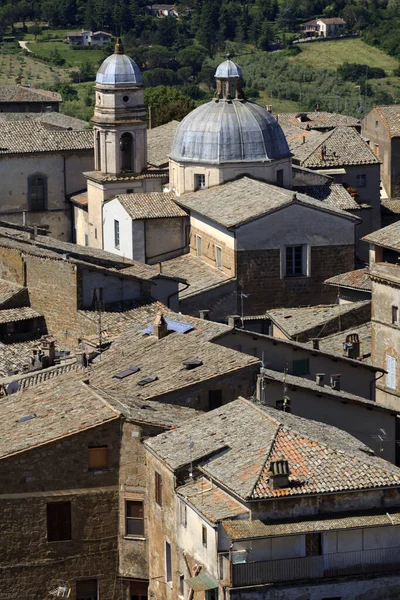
(158, 488)
(58, 521)
(97, 458)
(391, 372)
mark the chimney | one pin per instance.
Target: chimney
(260, 387)
(351, 346)
(233, 320)
(204, 314)
(318, 107)
(48, 346)
(160, 326)
(315, 343)
(24, 218)
(319, 379)
(279, 477)
(33, 233)
(269, 108)
(335, 382)
(304, 139)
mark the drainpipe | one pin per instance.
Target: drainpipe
(373, 383)
(175, 293)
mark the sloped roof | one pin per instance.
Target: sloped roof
(333, 195)
(211, 501)
(235, 444)
(357, 280)
(19, 93)
(154, 205)
(339, 147)
(390, 116)
(159, 143)
(334, 343)
(26, 137)
(24, 313)
(317, 120)
(198, 274)
(234, 203)
(389, 236)
(9, 289)
(50, 120)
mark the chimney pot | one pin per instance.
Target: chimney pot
(319, 378)
(318, 107)
(204, 314)
(269, 108)
(315, 343)
(279, 474)
(233, 320)
(335, 381)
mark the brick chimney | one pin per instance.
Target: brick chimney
(280, 472)
(48, 347)
(160, 326)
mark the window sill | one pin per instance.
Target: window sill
(135, 538)
(58, 541)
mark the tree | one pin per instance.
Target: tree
(207, 32)
(167, 103)
(35, 30)
(192, 57)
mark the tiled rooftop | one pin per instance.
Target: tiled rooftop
(60, 408)
(388, 237)
(50, 120)
(8, 290)
(24, 313)
(155, 205)
(236, 443)
(334, 343)
(294, 321)
(237, 202)
(357, 280)
(19, 93)
(196, 272)
(390, 116)
(159, 143)
(210, 501)
(333, 195)
(340, 147)
(26, 137)
(15, 357)
(241, 529)
(317, 120)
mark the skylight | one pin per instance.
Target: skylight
(126, 372)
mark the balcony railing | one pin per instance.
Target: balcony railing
(310, 567)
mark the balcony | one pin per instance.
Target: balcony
(311, 567)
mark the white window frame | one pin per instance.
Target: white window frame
(218, 257)
(200, 181)
(117, 236)
(391, 368)
(199, 246)
(305, 258)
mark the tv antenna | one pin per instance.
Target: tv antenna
(381, 437)
(191, 446)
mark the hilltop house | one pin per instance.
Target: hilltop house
(325, 27)
(89, 38)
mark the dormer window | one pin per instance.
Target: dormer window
(200, 182)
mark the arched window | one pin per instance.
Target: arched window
(37, 192)
(126, 147)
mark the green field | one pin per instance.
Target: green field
(330, 55)
(73, 58)
(32, 72)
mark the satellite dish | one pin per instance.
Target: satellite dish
(12, 387)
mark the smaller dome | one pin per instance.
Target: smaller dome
(228, 69)
(119, 69)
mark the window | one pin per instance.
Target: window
(391, 372)
(126, 148)
(301, 367)
(198, 245)
(116, 234)
(138, 590)
(158, 488)
(395, 315)
(215, 398)
(199, 182)
(168, 562)
(37, 192)
(86, 239)
(204, 536)
(181, 585)
(376, 124)
(134, 518)
(97, 458)
(218, 257)
(86, 589)
(313, 544)
(361, 181)
(294, 261)
(58, 521)
(95, 233)
(377, 149)
(183, 513)
(279, 177)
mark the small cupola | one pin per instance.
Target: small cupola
(280, 472)
(229, 81)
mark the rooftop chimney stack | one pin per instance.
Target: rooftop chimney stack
(351, 346)
(319, 379)
(160, 326)
(204, 314)
(48, 346)
(315, 343)
(233, 320)
(335, 382)
(269, 108)
(279, 474)
(318, 107)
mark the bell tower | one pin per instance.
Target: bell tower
(120, 137)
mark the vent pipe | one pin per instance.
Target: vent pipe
(233, 320)
(335, 382)
(319, 379)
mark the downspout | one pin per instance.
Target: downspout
(373, 383)
(175, 293)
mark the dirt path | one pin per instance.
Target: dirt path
(24, 46)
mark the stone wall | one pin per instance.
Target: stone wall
(259, 275)
(208, 250)
(55, 472)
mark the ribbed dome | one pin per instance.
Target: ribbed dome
(119, 69)
(235, 131)
(228, 69)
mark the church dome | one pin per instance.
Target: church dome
(119, 69)
(229, 129)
